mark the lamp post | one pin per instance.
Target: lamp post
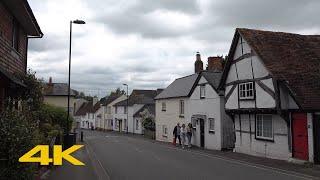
(71, 22)
(128, 107)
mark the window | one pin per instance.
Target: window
(181, 108)
(108, 110)
(164, 130)
(202, 91)
(264, 127)
(211, 124)
(125, 110)
(246, 90)
(116, 109)
(164, 106)
(137, 124)
(15, 35)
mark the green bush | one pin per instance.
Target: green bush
(18, 136)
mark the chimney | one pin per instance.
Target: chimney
(50, 80)
(198, 65)
(215, 63)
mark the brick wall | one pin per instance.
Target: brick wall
(11, 59)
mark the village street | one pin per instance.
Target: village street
(117, 156)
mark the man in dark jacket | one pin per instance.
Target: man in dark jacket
(176, 134)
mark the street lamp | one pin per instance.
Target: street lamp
(128, 107)
(71, 22)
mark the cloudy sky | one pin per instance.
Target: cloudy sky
(149, 43)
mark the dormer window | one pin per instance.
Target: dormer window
(246, 90)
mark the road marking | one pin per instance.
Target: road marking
(100, 164)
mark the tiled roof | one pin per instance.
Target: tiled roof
(58, 89)
(181, 87)
(149, 107)
(292, 59)
(109, 99)
(213, 78)
(139, 97)
(84, 109)
(87, 107)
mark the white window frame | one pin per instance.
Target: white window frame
(181, 107)
(163, 106)
(125, 109)
(203, 91)
(210, 121)
(164, 130)
(263, 136)
(137, 124)
(245, 89)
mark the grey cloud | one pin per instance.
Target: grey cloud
(271, 14)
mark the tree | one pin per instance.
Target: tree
(147, 120)
(117, 92)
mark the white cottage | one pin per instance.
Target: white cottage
(85, 116)
(272, 91)
(109, 110)
(125, 110)
(195, 99)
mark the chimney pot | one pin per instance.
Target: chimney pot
(198, 65)
(50, 80)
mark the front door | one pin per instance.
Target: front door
(300, 136)
(120, 125)
(316, 132)
(201, 133)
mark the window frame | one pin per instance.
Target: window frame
(246, 91)
(15, 35)
(181, 108)
(137, 124)
(262, 137)
(125, 109)
(210, 120)
(164, 130)
(163, 106)
(202, 91)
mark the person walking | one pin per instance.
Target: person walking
(183, 134)
(189, 134)
(176, 134)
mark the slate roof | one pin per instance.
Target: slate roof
(109, 99)
(213, 78)
(181, 87)
(87, 107)
(292, 59)
(58, 89)
(84, 108)
(149, 107)
(139, 97)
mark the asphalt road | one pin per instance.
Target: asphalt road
(116, 156)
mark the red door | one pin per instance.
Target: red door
(300, 136)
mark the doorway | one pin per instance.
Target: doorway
(300, 136)
(316, 135)
(120, 125)
(201, 133)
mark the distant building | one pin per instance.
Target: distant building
(57, 94)
(124, 119)
(17, 26)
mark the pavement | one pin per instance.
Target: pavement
(115, 156)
